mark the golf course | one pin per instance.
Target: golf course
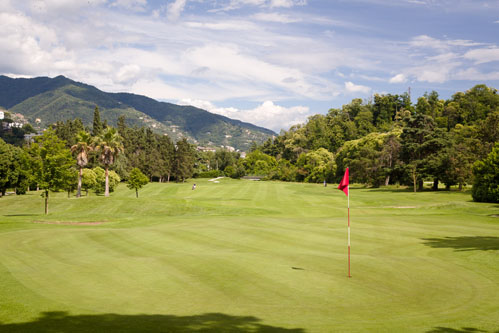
(249, 256)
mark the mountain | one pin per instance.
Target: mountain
(43, 101)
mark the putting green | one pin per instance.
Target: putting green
(246, 256)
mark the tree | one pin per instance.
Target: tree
(419, 141)
(486, 172)
(184, 160)
(5, 166)
(68, 130)
(52, 163)
(83, 146)
(136, 180)
(258, 163)
(167, 152)
(369, 158)
(319, 165)
(97, 124)
(109, 145)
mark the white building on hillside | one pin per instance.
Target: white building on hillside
(2, 115)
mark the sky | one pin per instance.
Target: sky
(272, 63)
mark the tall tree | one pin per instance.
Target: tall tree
(5, 166)
(84, 144)
(486, 172)
(52, 163)
(419, 141)
(184, 160)
(167, 152)
(109, 145)
(97, 124)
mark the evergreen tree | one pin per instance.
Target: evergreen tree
(97, 124)
(184, 160)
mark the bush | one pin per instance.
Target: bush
(100, 185)
(88, 179)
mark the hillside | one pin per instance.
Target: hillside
(44, 101)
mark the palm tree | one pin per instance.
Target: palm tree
(82, 148)
(109, 145)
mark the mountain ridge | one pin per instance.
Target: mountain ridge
(46, 100)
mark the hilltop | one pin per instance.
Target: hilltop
(43, 101)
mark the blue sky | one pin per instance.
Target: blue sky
(269, 62)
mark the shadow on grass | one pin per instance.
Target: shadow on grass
(391, 190)
(454, 330)
(11, 215)
(465, 243)
(209, 323)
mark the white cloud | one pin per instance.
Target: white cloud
(135, 5)
(399, 78)
(54, 8)
(355, 88)
(287, 3)
(434, 72)
(236, 4)
(267, 114)
(128, 73)
(30, 48)
(175, 8)
(475, 75)
(222, 25)
(276, 17)
(424, 41)
(481, 56)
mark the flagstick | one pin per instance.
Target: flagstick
(348, 205)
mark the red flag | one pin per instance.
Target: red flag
(344, 183)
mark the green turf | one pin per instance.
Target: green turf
(248, 256)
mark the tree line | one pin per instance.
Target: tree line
(391, 140)
(383, 141)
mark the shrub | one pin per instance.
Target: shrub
(100, 185)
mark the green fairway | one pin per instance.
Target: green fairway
(249, 256)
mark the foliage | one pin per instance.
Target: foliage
(88, 179)
(84, 145)
(52, 163)
(486, 173)
(14, 168)
(257, 163)
(68, 130)
(136, 180)
(317, 166)
(210, 174)
(100, 177)
(184, 158)
(97, 127)
(109, 145)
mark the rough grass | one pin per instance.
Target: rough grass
(245, 256)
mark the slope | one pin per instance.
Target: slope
(50, 100)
